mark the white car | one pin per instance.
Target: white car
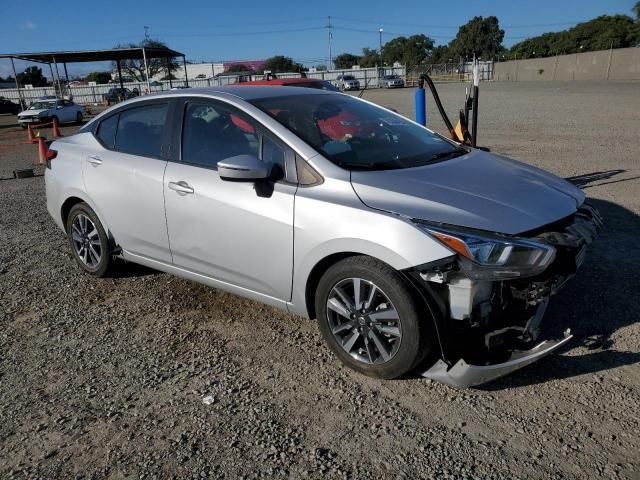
(348, 82)
(43, 111)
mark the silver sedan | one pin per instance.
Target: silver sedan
(411, 251)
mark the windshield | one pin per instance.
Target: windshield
(356, 135)
(42, 105)
(348, 77)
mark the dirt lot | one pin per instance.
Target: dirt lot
(106, 378)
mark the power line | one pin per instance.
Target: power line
(236, 34)
(423, 25)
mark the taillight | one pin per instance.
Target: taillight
(51, 154)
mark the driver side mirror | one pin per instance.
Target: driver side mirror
(59, 107)
(242, 168)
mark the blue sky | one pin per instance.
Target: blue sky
(252, 29)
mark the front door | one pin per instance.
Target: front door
(240, 233)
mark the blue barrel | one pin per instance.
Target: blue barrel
(421, 109)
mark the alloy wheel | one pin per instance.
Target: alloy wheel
(363, 320)
(86, 240)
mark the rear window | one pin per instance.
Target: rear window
(140, 129)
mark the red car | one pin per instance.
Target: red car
(337, 127)
(295, 82)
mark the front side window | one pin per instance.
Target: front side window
(213, 132)
(140, 130)
(273, 154)
(354, 134)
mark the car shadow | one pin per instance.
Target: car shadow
(600, 300)
(123, 269)
(586, 179)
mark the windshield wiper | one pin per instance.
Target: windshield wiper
(458, 152)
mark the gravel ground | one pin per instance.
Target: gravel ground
(150, 376)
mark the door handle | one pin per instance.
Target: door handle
(182, 187)
(94, 160)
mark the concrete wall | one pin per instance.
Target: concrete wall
(618, 64)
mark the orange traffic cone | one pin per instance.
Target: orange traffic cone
(55, 130)
(30, 136)
(42, 150)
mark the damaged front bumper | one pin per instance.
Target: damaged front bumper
(463, 375)
(488, 329)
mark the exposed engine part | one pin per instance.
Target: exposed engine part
(465, 294)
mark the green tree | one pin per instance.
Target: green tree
(239, 68)
(32, 76)
(321, 68)
(636, 10)
(281, 64)
(370, 58)
(601, 33)
(410, 51)
(480, 36)
(346, 61)
(98, 77)
(135, 67)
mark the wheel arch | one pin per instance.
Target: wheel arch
(74, 197)
(316, 274)
(422, 294)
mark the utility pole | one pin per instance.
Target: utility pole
(330, 38)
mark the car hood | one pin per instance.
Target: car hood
(477, 190)
(33, 113)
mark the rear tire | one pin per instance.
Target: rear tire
(79, 117)
(88, 240)
(380, 334)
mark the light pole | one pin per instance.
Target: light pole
(380, 55)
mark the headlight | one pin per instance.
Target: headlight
(484, 256)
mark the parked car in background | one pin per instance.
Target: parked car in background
(295, 82)
(117, 95)
(7, 106)
(42, 111)
(410, 250)
(392, 81)
(348, 82)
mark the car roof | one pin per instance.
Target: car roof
(246, 92)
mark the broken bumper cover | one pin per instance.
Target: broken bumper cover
(463, 375)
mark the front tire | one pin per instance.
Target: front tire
(370, 318)
(79, 117)
(88, 240)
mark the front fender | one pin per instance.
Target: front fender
(326, 225)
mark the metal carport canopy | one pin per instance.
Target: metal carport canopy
(112, 54)
(95, 55)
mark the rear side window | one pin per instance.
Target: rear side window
(107, 131)
(140, 129)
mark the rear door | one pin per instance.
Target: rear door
(124, 177)
(240, 233)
